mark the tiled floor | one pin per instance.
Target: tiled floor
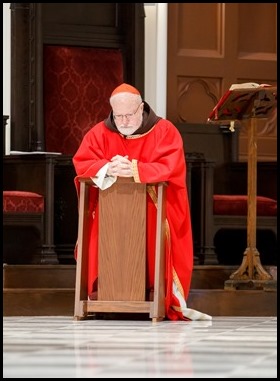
(59, 347)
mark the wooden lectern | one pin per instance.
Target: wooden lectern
(121, 251)
(238, 103)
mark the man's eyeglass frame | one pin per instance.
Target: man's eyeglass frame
(126, 116)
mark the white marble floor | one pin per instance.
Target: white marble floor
(59, 347)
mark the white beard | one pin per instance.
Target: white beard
(127, 130)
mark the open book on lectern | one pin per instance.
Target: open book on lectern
(244, 101)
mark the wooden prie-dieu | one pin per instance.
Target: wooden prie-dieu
(121, 251)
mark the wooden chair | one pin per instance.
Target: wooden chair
(228, 224)
(222, 204)
(23, 210)
(121, 276)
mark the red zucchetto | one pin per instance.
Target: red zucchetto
(125, 88)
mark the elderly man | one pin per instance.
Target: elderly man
(134, 142)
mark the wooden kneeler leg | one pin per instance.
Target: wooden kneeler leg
(158, 305)
(81, 288)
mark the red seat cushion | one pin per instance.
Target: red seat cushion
(22, 202)
(236, 205)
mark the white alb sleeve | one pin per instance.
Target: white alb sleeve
(102, 180)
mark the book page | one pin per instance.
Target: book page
(34, 153)
(247, 85)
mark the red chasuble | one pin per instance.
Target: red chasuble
(159, 156)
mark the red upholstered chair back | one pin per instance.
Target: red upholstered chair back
(78, 82)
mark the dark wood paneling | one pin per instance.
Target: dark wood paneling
(266, 178)
(218, 145)
(210, 47)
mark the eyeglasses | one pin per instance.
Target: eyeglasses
(126, 116)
